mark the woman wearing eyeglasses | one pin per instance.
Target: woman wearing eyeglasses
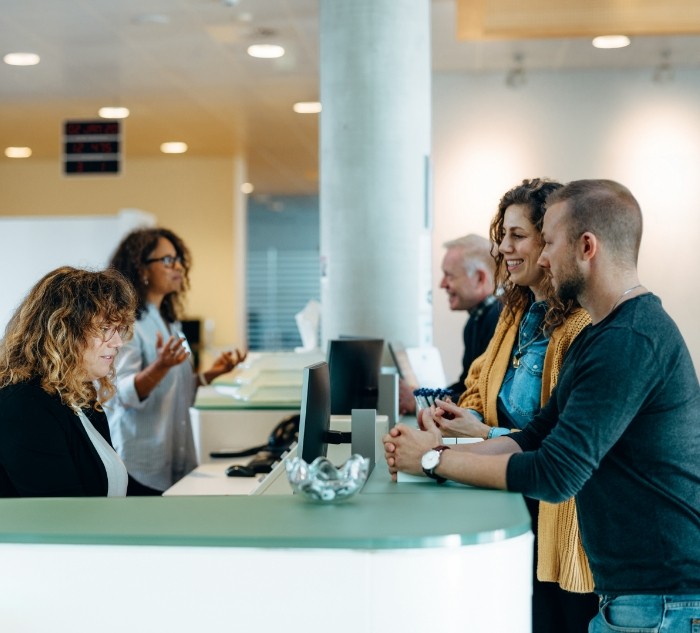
(156, 381)
(56, 373)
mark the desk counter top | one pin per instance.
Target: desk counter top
(422, 516)
(221, 396)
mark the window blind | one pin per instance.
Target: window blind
(279, 284)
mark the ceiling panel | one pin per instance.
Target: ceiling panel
(518, 19)
(181, 68)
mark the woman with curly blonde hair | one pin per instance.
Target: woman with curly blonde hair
(56, 371)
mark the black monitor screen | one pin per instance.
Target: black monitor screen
(354, 366)
(315, 415)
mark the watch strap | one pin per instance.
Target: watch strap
(430, 472)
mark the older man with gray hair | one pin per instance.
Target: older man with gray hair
(468, 278)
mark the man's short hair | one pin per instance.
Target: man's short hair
(608, 210)
(476, 253)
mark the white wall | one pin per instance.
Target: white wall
(30, 247)
(585, 124)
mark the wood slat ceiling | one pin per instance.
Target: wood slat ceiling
(524, 19)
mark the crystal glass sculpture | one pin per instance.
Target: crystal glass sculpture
(321, 481)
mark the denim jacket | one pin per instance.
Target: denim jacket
(520, 394)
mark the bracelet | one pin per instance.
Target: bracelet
(202, 379)
(492, 432)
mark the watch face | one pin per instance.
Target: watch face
(430, 460)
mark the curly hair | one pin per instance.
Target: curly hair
(532, 194)
(130, 260)
(49, 332)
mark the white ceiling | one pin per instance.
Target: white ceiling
(190, 79)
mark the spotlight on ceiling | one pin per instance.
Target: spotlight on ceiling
(307, 107)
(516, 77)
(611, 41)
(18, 152)
(265, 51)
(664, 73)
(21, 59)
(173, 147)
(116, 112)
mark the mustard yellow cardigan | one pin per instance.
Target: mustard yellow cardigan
(560, 554)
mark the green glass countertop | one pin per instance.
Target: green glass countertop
(421, 516)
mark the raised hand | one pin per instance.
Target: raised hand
(172, 352)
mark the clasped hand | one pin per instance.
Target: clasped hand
(404, 447)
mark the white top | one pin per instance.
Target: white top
(117, 477)
(153, 436)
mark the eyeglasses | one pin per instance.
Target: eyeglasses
(168, 261)
(107, 332)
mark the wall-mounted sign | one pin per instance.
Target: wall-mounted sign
(91, 147)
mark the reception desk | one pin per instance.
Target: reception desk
(397, 557)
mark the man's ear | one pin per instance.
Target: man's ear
(587, 246)
(480, 277)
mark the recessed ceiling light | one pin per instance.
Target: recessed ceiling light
(611, 41)
(18, 152)
(110, 112)
(247, 187)
(307, 107)
(21, 59)
(265, 51)
(173, 147)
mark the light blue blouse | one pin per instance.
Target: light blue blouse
(153, 436)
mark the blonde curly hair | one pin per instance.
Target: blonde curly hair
(49, 332)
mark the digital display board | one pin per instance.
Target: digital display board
(92, 147)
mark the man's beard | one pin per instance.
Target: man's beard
(572, 286)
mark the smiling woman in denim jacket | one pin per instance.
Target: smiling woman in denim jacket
(508, 384)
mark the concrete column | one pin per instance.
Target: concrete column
(375, 169)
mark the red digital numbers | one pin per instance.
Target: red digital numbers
(79, 128)
(91, 147)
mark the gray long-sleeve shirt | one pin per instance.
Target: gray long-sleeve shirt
(621, 432)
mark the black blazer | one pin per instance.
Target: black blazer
(44, 449)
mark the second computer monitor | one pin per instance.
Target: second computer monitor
(315, 417)
(354, 365)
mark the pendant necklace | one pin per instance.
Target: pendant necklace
(521, 348)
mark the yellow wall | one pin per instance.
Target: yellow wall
(194, 196)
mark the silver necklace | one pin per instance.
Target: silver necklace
(521, 348)
(623, 295)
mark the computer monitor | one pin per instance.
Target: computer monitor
(402, 362)
(315, 417)
(354, 366)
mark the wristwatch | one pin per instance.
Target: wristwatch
(430, 461)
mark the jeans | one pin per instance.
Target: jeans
(647, 614)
